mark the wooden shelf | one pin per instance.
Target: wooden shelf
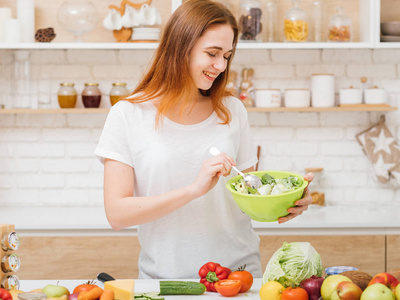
(249, 109)
(323, 109)
(55, 111)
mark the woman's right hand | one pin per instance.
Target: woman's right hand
(210, 171)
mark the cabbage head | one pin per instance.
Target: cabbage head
(292, 263)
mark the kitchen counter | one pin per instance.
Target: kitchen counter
(145, 285)
(317, 220)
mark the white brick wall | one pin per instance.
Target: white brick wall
(47, 160)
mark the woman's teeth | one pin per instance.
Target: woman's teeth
(210, 74)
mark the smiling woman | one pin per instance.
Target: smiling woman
(158, 173)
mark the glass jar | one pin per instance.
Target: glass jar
(317, 195)
(250, 21)
(231, 86)
(10, 282)
(10, 241)
(67, 95)
(271, 24)
(296, 23)
(10, 263)
(340, 27)
(91, 95)
(118, 92)
(318, 17)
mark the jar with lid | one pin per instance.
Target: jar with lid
(91, 95)
(118, 92)
(340, 27)
(296, 23)
(10, 241)
(67, 95)
(10, 263)
(250, 26)
(10, 282)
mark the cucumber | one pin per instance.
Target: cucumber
(181, 288)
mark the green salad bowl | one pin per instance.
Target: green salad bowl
(268, 208)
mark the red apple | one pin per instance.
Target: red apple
(386, 279)
(346, 290)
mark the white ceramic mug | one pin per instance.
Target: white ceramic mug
(131, 17)
(297, 98)
(350, 96)
(147, 15)
(113, 20)
(268, 98)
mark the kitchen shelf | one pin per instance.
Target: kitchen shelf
(150, 46)
(249, 109)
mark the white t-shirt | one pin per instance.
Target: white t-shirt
(209, 228)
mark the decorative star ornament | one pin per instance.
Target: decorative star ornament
(381, 168)
(382, 142)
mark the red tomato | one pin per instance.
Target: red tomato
(227, 287)
(84, 287)
(296, 293)
(245, 278)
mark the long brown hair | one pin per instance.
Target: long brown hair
(169, 75)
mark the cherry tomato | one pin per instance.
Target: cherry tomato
(245, 278)
(227, 287)
(296, 293)
(87, 286)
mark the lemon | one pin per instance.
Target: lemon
(14, 293)
(271, 290)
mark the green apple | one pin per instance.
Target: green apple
(330, 283)
(55, 291)
(377, 291)
(397, 292)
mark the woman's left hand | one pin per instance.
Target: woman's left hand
(301, 204)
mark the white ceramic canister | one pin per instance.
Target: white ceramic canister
(323, 90)
(297, 98)
(268, 98)
(375, 95)
(350, 96)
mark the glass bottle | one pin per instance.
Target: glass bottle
(21, 85)
(271, 24)
(246, 88)
(67, 95)
(318, 17)
(10, 282)
(340, 27)
(296, 23)
(317, 195)
(250, 26)
(91, 95)
(118, 92)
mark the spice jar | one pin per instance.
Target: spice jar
(340, 27)
(10, 241)
(10, 282)
(67, 95)
(250, 21)
(10, 263)
(118, 92)
(296, 23)
(91, 95)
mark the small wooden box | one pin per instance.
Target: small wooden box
(5, 231)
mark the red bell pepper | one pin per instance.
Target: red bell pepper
(5, 295)
(212, 272)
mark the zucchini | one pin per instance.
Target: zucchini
(181, 288)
